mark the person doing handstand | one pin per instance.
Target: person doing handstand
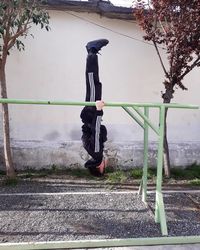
(93, 138)
(94, 134)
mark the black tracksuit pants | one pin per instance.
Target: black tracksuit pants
(93, 133)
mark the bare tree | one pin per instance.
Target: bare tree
(174, 25)
(16, 19)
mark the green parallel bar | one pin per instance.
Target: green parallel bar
(161, 211)
(112, 104)
(178, 105)
(159, 206)
(101, 243)
(140, 187)
(145, 157)
(133, 116)
(146, 119)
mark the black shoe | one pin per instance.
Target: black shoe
(96, 45)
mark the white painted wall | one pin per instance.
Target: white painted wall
(53, 67)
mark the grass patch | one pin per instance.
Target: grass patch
(118, 176)
(195, 182)
(136, 173)
(128, 175)
(191, 172)
(54, 170)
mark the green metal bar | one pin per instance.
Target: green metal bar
(140, 187)
(159, 206)
(101, 243)
(145, 157)
(146, 119)
(178, 105)
(133, 116)
(161, 211)
(112, 104)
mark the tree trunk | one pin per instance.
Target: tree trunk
(167, 96)
(166, 157)
(10, 171)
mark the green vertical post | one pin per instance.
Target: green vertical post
(159, 205)
(145, 157)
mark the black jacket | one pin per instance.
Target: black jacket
(94, 134)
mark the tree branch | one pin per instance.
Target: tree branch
(163, 28)
(19, 32)
(161, 61)
(13, 38)
(190, 68)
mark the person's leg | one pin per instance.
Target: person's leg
(93, 85)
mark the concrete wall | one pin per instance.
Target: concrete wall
(121, 155)
(52, 67)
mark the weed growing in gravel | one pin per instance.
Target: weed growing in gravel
(190, 172)
(117, 176)
(136, 173)
(195, 182)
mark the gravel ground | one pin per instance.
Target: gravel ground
(89, 216)
(183, 215)
(54, 185)
(44, 185)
